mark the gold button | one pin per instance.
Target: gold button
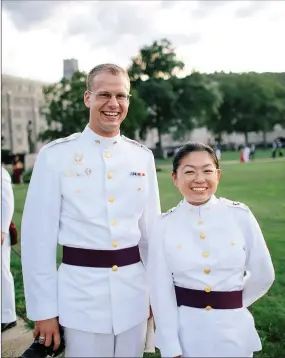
(205, 254)
(208, 308)
(207, 289)
(234, 243)
(179, 246)
(110, 176)
(202, 236)
(111, 199)
(200, 222)
(114, 244)
(207, 271)
(107, 155)
(78, 190)
(115, 268)
(139, 188)
(113, 222)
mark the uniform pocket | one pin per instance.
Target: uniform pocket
(181, 257)
(233, 256)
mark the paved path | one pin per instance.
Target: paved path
(16, 340)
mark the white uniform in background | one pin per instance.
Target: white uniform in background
(246, 153)
(99, 193)
(8, 313)
(207, 248)
(218, 153)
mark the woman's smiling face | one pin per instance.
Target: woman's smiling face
(197, 177)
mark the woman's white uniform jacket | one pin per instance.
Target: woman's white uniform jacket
(207, 247)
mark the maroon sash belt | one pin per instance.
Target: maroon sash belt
(213, 299)
(100, 258)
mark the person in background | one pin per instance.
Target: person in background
(96, 194)
(246, 153)
(17, 170)
(199, 252)
(8, 313)
(252, 151)
(241, 154)
(279, 147)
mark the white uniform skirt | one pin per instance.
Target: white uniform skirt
(217, 333)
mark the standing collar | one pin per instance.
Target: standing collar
(89, 135)
(213, 201)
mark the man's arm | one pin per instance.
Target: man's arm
(151, 212)
(40, 224)
(7, 204)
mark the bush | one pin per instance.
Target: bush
(27, 176)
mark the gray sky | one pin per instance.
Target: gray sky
(208, 35)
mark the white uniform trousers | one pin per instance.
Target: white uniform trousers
(86, 344)
(8, 313)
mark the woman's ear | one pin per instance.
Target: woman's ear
(219, 174)
(174, 178)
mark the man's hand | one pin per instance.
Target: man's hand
(48, 329)
(3, 236)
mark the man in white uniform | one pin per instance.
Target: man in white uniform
(94, 193)
(8, 315)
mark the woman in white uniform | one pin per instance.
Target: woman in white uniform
(208, 262)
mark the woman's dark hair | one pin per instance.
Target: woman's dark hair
(193, 147)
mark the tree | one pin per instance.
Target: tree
(198, 100)
(174, 104)
(66, 112)
(149, 72)
(155, 61)
(160, 99)
(251, 102)
(64, 109)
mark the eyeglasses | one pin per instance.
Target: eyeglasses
(205, 173)
(106, 96)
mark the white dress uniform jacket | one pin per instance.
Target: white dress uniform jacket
(207, 247)
(8, 314)
(89, 192)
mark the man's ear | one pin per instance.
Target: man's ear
(87, 99)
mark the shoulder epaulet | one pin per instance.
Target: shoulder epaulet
(136, 143)
(170, 211)
(163, 215)
(62, 140)
(234, 204)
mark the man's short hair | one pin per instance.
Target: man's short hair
(105, 67)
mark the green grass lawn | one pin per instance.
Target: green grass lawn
(262, 187)
(230, 155)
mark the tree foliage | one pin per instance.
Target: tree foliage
(164, 100)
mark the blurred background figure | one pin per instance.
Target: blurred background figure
(252, 151)
(8, 313)
(18, 168)
(246, 153)
(241, 157)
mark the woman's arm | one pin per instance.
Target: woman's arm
(259, 266)
(162, 295)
